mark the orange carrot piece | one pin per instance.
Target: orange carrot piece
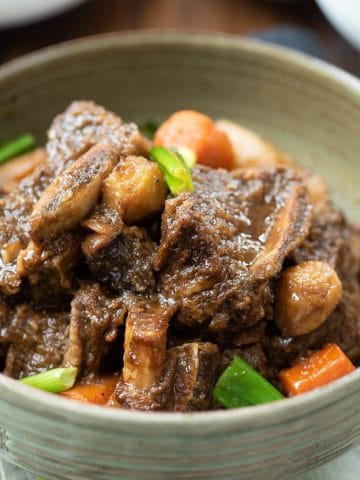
(98, 392)
(196, 131)
(321, 368)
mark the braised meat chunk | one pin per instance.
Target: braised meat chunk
(15, 210)
(49, 267)
(85, 124)
(161, 276)
(95, 318)
(194, 368)
(185, 382)
(80, 127)
(36, 340)
(224, 242)
(70, 197)
(122, 261)
(144, 353)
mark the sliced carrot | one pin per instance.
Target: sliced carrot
(98, 392)
(194, 130)
(321, 368)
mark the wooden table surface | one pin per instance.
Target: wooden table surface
(232, 16)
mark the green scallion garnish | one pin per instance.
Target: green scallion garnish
(188, 155)
(17, 146)
(55, 381)
(240, 386)
(176, 172)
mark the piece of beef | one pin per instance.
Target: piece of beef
(96, 316)
(221, 244)
(145, 342)
(81, 126)
(186, 383)
(6, 314)
(233, 329)
(53, 253)
(85, 124)
(122, 260)
(247, 336)
(48, 268)
(193, 369)
(72, 194)
(15, 209)
(36, 340)
(118, 255)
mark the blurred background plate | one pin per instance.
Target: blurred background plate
(20, 12)
(345, 16)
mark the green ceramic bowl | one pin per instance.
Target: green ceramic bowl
(308, 109)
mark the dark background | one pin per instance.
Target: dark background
(232, 16)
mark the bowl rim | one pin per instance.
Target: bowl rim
(179, 37)
(265, 415)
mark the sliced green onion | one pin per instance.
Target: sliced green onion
(176, 173)
(55, 381)
(40, 478)
(148, 128)
(188, 155)
(17, 146)
(240, 386)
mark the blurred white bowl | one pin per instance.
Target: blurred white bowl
(20, 12)
(345, 16)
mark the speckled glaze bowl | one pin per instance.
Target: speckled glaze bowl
(308, 109)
